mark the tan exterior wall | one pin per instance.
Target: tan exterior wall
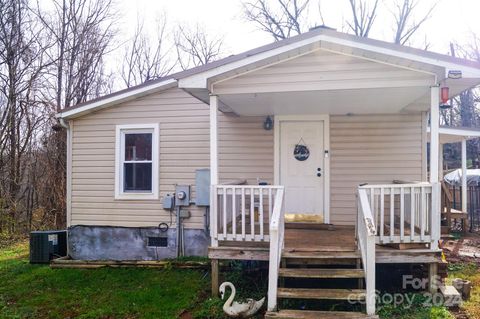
(364, 148)
(245, 150)
(371, 149)
(184, 147)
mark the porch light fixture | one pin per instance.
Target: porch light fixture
(444, 94)
(268, 124)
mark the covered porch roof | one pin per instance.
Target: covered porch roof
(324, 71)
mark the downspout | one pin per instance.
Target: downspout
(66, 125)
(63, 123)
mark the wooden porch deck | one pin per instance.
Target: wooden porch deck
(315, 240)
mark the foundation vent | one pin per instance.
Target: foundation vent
(157, 241)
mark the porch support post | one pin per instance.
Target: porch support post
(213, 170)
(433, 279)
(434, 167)
(215, 277)
(434, 135)
(464, 175)
(440, 162)
(213, 140)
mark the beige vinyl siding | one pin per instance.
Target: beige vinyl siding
(245, 149)
(322, 70)
(364, 148)
(184, 147)
(371, 149)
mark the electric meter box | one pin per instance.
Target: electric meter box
(182, 195)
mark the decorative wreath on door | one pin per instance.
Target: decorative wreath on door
(301, 151)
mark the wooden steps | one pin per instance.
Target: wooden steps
(321, 254)
(321, 273)
(322, 294)
(310, 274)
(309, 314)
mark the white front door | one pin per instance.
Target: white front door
(302, 171)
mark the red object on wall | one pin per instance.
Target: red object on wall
(444, 94)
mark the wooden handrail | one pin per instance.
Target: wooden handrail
(447, 192)
(277, 229)
(277, 210)
(446, 203)
(366, 233)
(367, 212)
(394, 185)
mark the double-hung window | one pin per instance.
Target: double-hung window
(136, 168)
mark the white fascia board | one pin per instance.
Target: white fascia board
(116, 99)
(459, 132)
(455, 135)
(467, 72)
(200, 80)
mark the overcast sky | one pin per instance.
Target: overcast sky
(451, 20)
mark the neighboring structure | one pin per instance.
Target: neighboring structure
(345, 111)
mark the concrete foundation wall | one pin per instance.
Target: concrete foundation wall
(131, 243)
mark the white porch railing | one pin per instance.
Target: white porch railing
(242, 212)
(404, 213)
(277, 234)
(396, 213)
(366, 244)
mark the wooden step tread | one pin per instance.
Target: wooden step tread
(320, 273)
(331, 294)
(309, 314)
(322, 254)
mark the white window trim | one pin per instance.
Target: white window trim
(119, 194)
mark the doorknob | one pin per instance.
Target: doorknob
(319, 174)
(319, 169)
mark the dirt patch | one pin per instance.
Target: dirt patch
(459, 313)
(185, 315)
(462, 250)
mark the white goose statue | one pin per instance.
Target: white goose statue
(239, 310)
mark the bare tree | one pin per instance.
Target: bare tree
(22, 65)
(83, 33)
(363, 17)
(194, 47)
(467, 114)
(144, 60)
(280, 18)
(406, 24)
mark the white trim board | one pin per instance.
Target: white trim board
(119, 194)
(326, 142)
(69, 172)
(455, 134)
(326, 41)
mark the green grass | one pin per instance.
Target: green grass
(468, 272)
(37, 291)
(415, 310)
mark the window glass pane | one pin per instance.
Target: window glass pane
(137, 177)
(138, 147)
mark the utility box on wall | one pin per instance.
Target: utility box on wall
(202, 187)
